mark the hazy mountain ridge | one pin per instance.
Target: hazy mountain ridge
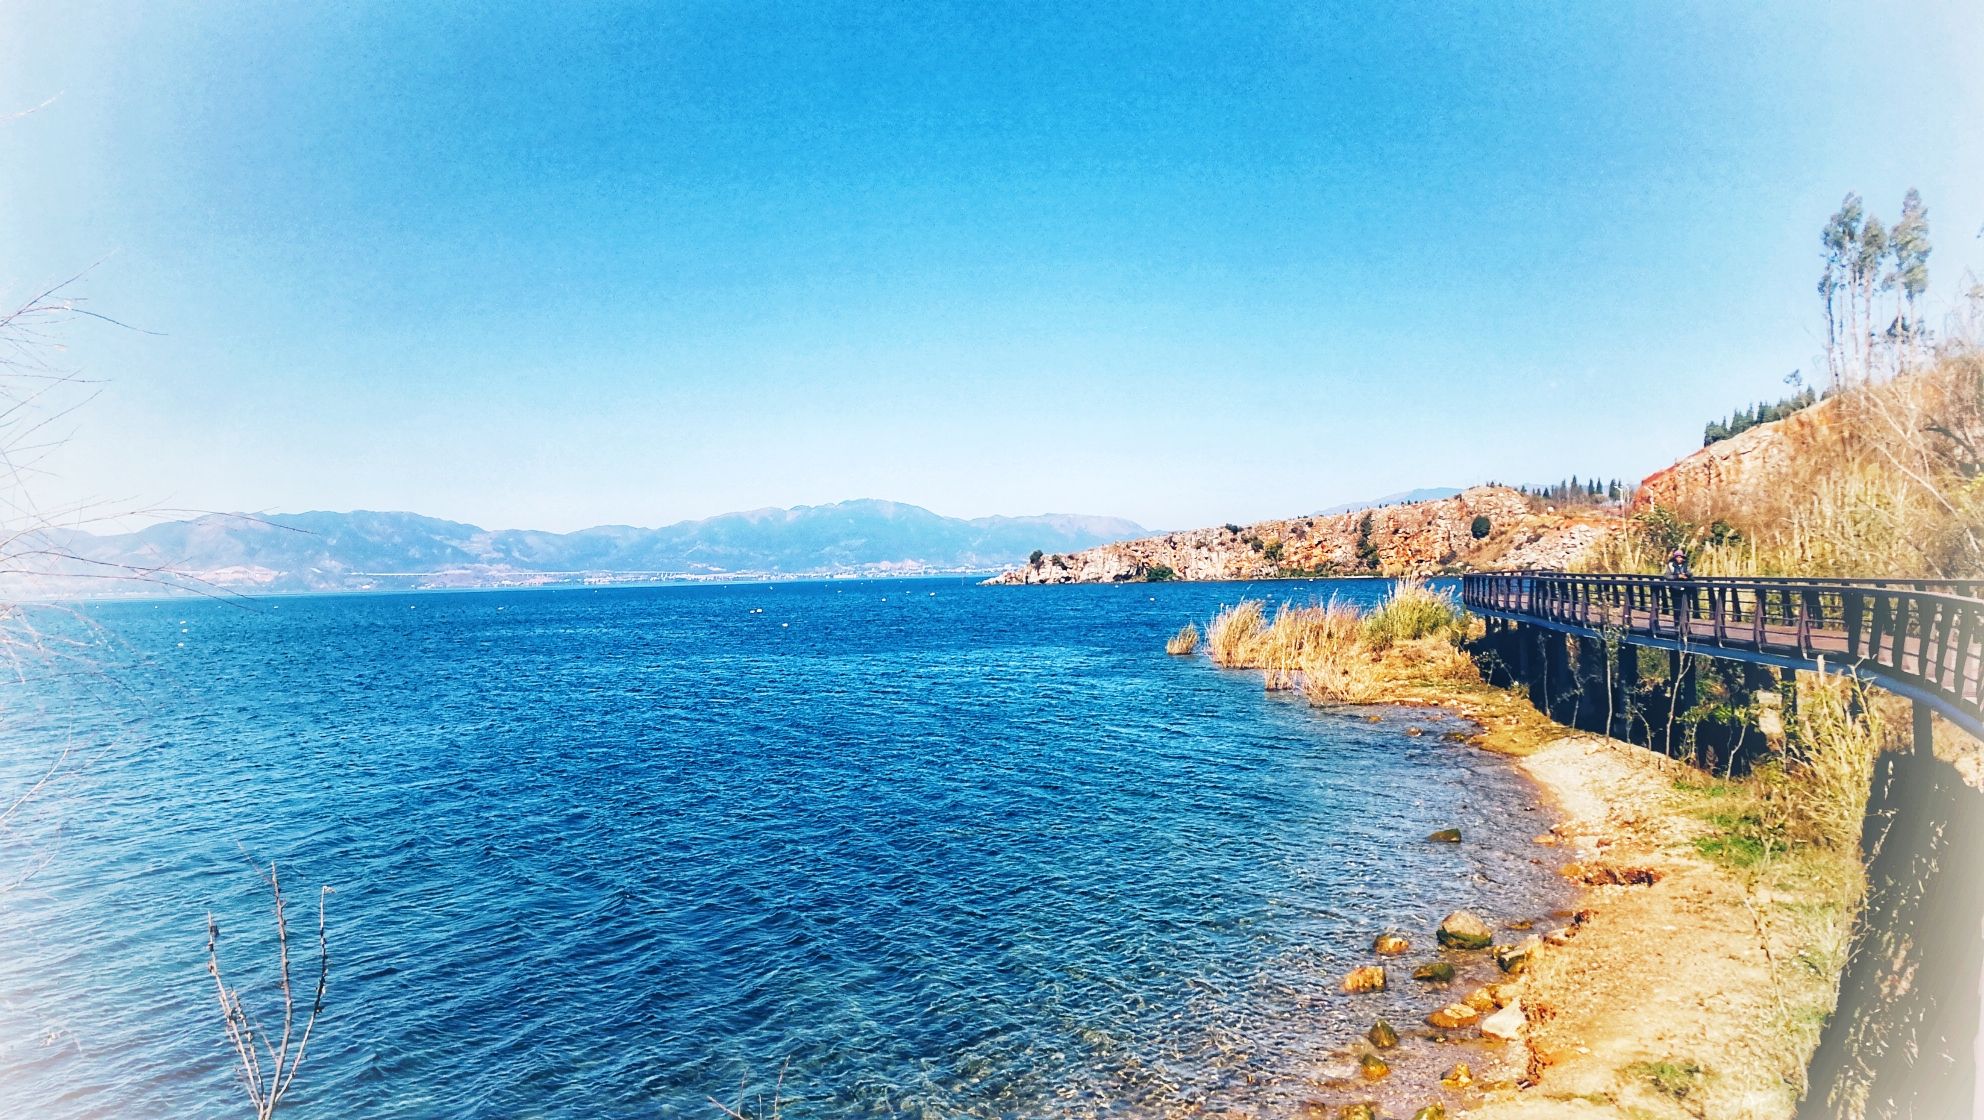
(351, 551)
(1403, 497)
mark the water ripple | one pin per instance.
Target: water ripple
(985, 853)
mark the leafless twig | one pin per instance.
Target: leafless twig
(778, 1097)
(267, 1086)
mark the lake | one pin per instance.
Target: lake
(931, 849)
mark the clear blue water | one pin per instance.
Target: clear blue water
(947, 850)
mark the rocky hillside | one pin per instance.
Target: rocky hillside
(1730, 472)
(1420, 538)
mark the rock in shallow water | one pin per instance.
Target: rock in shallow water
(1437, 972)
(1390, 945)
(1382, 1035)
(1459, 1077)
(1370, 978)
(1433, 1111)
(1373, 1067)
(1516, 958)
(1454, 1016)
(1365, 1111)
(1446, 836)
(1463, 930)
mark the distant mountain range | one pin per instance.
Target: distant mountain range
(1430, 494)
(363, 550)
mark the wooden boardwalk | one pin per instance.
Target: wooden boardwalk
(1923, 639)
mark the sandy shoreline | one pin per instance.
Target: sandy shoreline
(1674, 998)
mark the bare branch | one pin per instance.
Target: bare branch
(267, 1088)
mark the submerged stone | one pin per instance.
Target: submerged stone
(1516, 958)
(1437, 972)
(1390, 945)
(1373, 1067)
(1365, 1111)
(1463, 930)
(1382, 1035)
(1370, 978)
(1454, 1016)
(1434, 1111)
(1459, 1077)
(1446, 836)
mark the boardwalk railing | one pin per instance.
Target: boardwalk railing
(1923, 639)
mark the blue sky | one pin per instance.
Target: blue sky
(551, 266)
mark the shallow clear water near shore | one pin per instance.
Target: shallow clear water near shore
(949, 850)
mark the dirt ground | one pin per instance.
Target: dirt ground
(1669, 999)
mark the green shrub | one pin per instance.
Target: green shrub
(1272, 551)
(1158, 573)
(1663, 529)
(1481, 527)
(1414, 610)
(1034, 560)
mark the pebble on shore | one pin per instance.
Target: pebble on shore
(1435, 972)
(1390, 945)
(1505, 1024)
(1382, 1035)
(1373, 1067)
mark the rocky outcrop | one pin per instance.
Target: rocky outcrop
(1424, 538)
(1730, 472)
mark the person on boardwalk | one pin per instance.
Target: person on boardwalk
(1677, 564)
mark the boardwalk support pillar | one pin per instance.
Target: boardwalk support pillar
(1625, 687)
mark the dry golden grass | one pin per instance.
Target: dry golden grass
(1231, 631)
(1183, 642)
(1335, 655)
(1892, 484)
(1342, 673)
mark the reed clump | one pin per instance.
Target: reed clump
(1232, 631)
(1335, 654)
(1183, 642)
(1413, 611)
